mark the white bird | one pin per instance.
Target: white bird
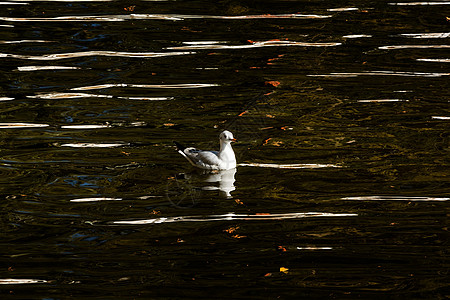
(212, 160)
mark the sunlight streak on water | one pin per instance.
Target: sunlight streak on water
(85, 126)
(357, 36)
(382, 100)
(67, 96)
(21, 125)
(289, 166)
(418, 3)
(40, 68)
(93, 53)
(275, 43)
(148, 98)
(95, 199)
(397, 47)
(170, 17)
(24, 41)
(395, 198)
(381, 73)
(21, 281)
(343, 9)
(314, 248)
(439, 60)
(440, 118)
(13, 3)
(441, 35)
(233, 217)
(147, 86)
(94, 145)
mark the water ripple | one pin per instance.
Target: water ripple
(170, 17)
(95, 199)
(381, 73)
(56, 95)
(92, 53)
(21, 281)
(272, 43)
(25, 41)
(436, 35)
(289, 166)
(381, 100)
(357, 36)
(147, 86)
(14, 3)
(233, 217)
(418, 3)
(40, 68)
(94, 145)
(340, 9)
(396, 47)
(394, 198)
(444, 60)
(85, 126)
(21, 125)
(6, 98)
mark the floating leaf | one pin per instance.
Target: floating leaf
(284, 270)
(231, 229)
(272, 83)
(281, 248)
(237, 236)
(239, 202)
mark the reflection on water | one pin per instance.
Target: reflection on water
(225, 179)
(21, 281)
(342, 118)
(92, 53)
(233, 217)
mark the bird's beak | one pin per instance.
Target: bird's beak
(233, 140)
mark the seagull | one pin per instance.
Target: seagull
(212, 160)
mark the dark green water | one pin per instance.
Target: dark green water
(341, 112)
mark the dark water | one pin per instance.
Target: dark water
(342, 115)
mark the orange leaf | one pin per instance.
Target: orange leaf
(282, 248)
(237, 236)
(130, 8)
(243, 113)
(272, 83)
(277, 143)
(266, 141)
(231, 229)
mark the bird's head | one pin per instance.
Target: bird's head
(227, 136)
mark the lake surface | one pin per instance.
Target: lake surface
(342, 117)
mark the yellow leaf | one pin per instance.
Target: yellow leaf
(284, 270)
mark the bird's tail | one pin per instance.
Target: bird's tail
(179, 146)
(180, 149)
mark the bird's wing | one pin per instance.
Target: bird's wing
(202, 159)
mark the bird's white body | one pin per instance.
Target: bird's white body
(224, 159)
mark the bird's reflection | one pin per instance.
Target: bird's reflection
(225, 180)
(184, 188)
